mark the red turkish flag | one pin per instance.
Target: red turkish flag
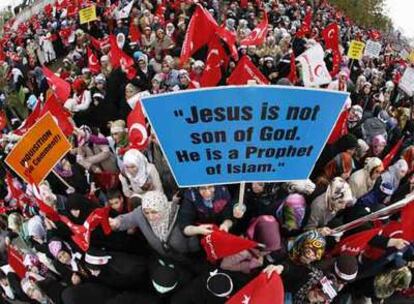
(407, 223)
(306, 25)
(93, 62)
(229, 38)
(30, 120)
(293, 77)
(120, 59)
(375, 35)
(3, 120)
(15, 192)
(243, 4)
(216, 58)
(220, 244)
(137, 131)
(393, 152)
(97, 44)
(201, 23)
(340, 128)
(72, 10)
(134, 33)
(258, 35)
(260, 290)
(355, 243)
(59, 114)
(331, 36)
(82, 234)
(59, 86)
(15, 261)
(245, 71)
(48, 9)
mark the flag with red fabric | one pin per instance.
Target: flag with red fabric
(137, 131)
(229, 38)
(48, 9)
(61, 116)
(98, 45)
(386, 162)
(305, 29)
(3, 119)
(258, 35)
(340, 129)
(134, 32)
(245, 71)
(407, 222)
(93, 62)
(355, 243)
(15, 261)
(260, 290)
(30, 120)
(82, 234)
(293, 77)
(120, 59)
(16, 193)
(216, 58)
(201, 22)
(330, 35)
(220, 244)
(375, 35)
(59, 86)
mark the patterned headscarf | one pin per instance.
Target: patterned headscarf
(312, 240)
(340, 164)
(293, 211)
(157, 201)
(408, 155)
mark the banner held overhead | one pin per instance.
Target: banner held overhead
(39, 150)
(243, 133)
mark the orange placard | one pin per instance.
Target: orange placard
(40, 150)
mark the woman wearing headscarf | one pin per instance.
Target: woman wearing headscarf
(157, 221)
(291, 214)
(265, 231)
(340, 166)
(378, 145)
(93, 152)
(145, 72)
(385, 284)
(73, 174)
(41, 81)
(138, 175)
(80, 101)
(363, 180)
(204, 206)
(299, 276)
(260, 199)
(325, 207)
(68, 262)
(395, 173)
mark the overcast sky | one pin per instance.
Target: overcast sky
(402, 13)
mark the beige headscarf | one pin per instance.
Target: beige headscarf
(360, 181)
(157, 201)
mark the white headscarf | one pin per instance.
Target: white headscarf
(133, 157)
(393, 174)
(360, 181)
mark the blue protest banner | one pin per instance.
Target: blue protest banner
(243, 134)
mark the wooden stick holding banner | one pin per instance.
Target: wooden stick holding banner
(60, 178)
(387, 211)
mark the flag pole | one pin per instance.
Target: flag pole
(387, 211)
(62, 180)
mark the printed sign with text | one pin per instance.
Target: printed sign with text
(39, 150)
(87, 14)
(356, 50)
(247, 133)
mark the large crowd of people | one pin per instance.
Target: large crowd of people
(152, 253)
